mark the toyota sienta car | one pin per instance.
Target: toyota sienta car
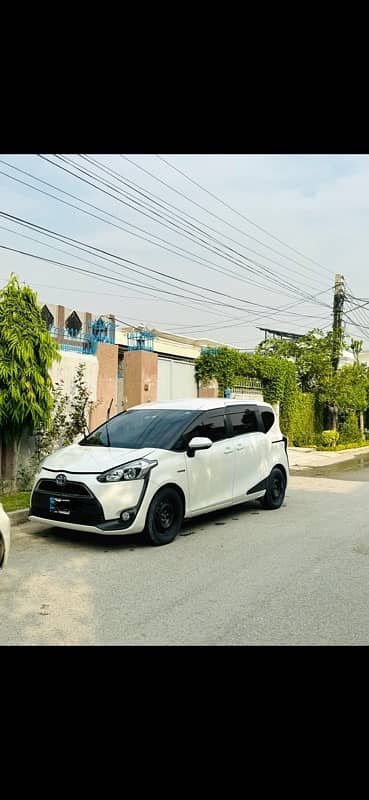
(148, 468)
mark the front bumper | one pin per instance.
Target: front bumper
(87, 505)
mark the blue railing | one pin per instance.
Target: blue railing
(140, 340)
(85, 343)
(210, 351)
(87, 348)
(102, 331)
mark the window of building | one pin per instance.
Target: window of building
(73, 324)
(47, 316)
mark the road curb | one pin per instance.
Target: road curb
(309, 458)
(16, 517)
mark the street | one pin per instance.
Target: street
(294, 576)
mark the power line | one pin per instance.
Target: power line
(247, 235)
(108, 278)
(242, 215)
(94, 263)
(105, 255)
(96, 216)
(160, 201)
(187, 234)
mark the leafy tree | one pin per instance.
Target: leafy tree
(312, 354)
(229, 366)
(356, 346)
(223, 363)
(27, 351)
(349, 388)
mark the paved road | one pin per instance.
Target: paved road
(299, 575)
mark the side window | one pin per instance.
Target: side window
(268, 420)
(209, 424)
(243, 420)
(213, 426)
(195, 429)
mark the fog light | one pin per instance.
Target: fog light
(125, 516)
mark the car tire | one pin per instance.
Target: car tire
(276, 490)
(2, 550)
(164, 517)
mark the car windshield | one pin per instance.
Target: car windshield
(142, 428)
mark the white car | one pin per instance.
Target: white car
(4, 537)
(152, 466)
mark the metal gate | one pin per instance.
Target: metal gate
(176, 379)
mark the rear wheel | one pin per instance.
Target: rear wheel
(2, 550)
(276, 490)
(165, 517)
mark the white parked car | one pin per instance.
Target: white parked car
(4, 537)
(150, 467)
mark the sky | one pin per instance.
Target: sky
(222, 235)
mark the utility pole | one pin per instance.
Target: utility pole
(338, 301)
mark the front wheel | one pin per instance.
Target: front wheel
(165, 517)
(276, 490)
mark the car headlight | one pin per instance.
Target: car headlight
(128, 472)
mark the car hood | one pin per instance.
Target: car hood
(83, 459)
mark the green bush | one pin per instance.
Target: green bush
(347, 446)
(298, 419)
(329, 438)
(27, 472)
(349, 430)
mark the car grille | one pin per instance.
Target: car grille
(84, 508)
(69, 489)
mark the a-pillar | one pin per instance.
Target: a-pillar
(140, 369)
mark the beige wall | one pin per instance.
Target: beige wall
(171, 344)
(101, 378)
(211, 390)
(140, 377)
(64, 371)
(107, 357)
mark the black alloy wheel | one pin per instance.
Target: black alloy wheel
(276, 490)
(165, 517)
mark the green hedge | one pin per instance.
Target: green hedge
(347, 446)
(301, 419)
(349, 430)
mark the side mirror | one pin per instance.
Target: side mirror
(198, 443)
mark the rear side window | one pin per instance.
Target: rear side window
(268, 420)
(243, 421)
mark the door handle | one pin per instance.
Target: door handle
(240, 447)
(228, 450)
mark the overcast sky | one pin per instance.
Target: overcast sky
(318, 205)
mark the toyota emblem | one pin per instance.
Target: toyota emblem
(61, 480)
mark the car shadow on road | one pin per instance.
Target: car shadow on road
(195, 525)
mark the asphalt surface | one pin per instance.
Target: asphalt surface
(246, 576)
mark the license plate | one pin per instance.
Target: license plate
(57, 505)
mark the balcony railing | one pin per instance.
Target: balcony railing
(140, 340)
(77, 342)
